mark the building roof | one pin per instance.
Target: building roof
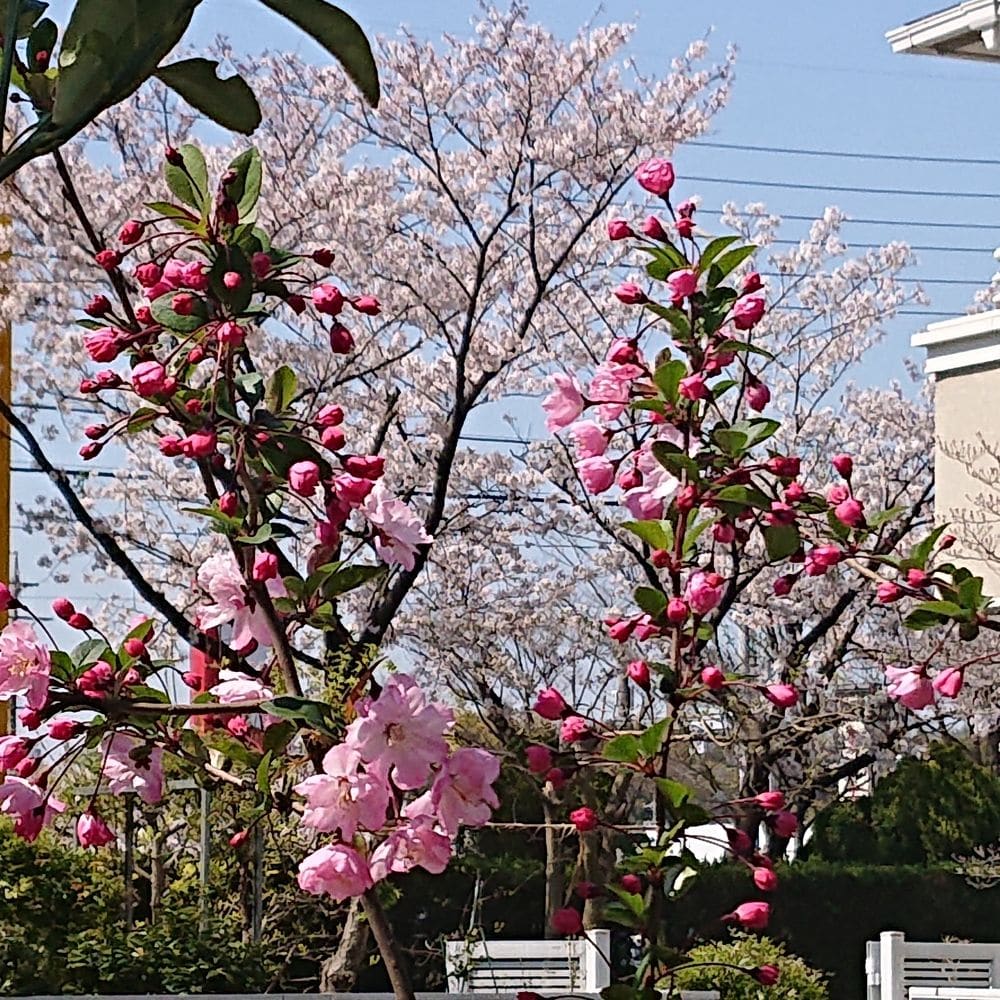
(969, 30)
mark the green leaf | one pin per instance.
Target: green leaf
(623, 749)
(653, 602)
(947, 609)
(340, 35)
(31, 11)
(676, 793)
(658, 534)
(970, 593)
(652, 739)
(262, 534)
(674, 460)
(919, 620)
(171, 211)
(350, 578)
(881, 517)
(232, 259)
(781, 541)
(920, 553)
(281, 390)
(758, 429)
(713, 250)
(90, 651)
(189, 182)
(245, 189)
(263, 773)
(667, 378)
(730, 440)
(677, 319)
(228, 102)
(109, 49)
(728, 262)
(163, 312)
(314, 713)
(737, 346)
(734, 499)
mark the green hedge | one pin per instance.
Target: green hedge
(825, 912)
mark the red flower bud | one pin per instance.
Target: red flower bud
(323, 257)
(135, 648)
(584, 819)
(98, 306)
(79, 621)
(63, 608)
(631, 883)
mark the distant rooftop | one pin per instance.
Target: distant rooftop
(969, 30)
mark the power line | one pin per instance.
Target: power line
(845, 154)
(843, 188)
(992, 227)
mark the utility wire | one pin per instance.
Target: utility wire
(844, 188)
(845, 154)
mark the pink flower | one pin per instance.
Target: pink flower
(767, 975)
(747, 312)
(367, 304)
(401, 733)
(837, 493)
(415, 844)
(622, 352)
(589, 438)
(887, 592)
(148, 275)
(149, 378)
(234, 686)
(344, 798)
(64, 729)
(619, 229)
(303, 478)
(200, 444)
(231, 333)
(573, 729)
(653, 228)
(909, 687)
(564, 404)
(781, 695)
(351, 490)
(849, 512)
(704, 591)
(597, 474)
(365, 466)
(765, 879)
(643, 504)
(713, 678)
(753, 916)
(757, 395)
(462, 794)
(265, 567)
(539, 758)
(12, 751)
(328, 300)
(784, 824)
(550, 704)
(584, 819)
(337, 871)
(844, 465)
(103, 345)
(770, 800)
(330, 415)
(656, 175)
(638, 672)
(92, 831)
(948, 682)
(630, 293)
(398, 530)
(693, 387)
(220, 578)
(133, 766)
(29, 806)
(822, 558)
(566, 921)
(260, 265)
(682, 284)
(24, 665)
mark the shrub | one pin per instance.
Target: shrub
(798, 981)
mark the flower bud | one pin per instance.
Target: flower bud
(713, 678)
(631, 883)
(135, 648)
(638, 672)
(323, 256)
(229, 503)
(584, 819)
(63, 608)
(80, 621)
(98, 306)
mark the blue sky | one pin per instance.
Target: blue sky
(809, 75)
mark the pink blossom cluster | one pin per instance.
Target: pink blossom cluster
(394, 748)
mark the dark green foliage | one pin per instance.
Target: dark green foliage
(826, 912)
(925, 811)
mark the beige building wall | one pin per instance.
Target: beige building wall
(963, 357)
(967, 466)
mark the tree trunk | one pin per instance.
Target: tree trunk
(339, 973)
(555, 870)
